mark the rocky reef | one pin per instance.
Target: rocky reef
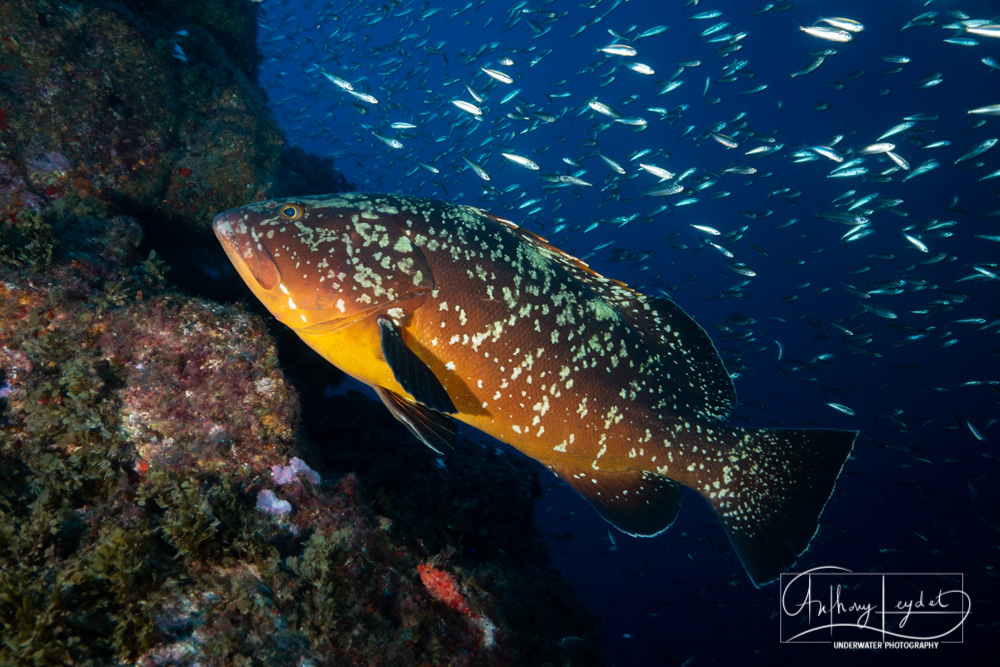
(178, 484)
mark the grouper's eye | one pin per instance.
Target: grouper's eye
(291, 211)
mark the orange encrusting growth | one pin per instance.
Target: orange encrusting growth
(443, 587)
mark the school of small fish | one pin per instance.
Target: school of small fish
(461, 123)
(848, 156)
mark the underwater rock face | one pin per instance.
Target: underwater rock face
(140, 425)
(143, 113)
(141, 519)
(227, 391)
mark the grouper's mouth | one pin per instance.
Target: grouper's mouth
(243, 248)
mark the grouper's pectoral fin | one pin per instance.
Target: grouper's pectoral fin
(636, 502)
(410, 371)
(431, 428)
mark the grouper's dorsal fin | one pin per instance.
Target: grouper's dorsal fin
(636, 502)
(410, 371)
(692, 377)
(431, 428)
(700, 381)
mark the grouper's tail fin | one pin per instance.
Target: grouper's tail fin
(774, 497)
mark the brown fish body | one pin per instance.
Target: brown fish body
(447, 310)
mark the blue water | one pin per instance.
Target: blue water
(915, 353)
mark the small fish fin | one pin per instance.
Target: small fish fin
(690, 368)
(635, 502)
(410, 371)
(772, 502)
(431, 428)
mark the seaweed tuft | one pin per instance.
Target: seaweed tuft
(28, 241)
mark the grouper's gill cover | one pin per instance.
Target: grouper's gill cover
(450, 312)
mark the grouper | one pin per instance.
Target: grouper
(451, 313)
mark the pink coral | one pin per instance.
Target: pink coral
(270, 503)
(282, 475)
(291, 473)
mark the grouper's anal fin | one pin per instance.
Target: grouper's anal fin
(635, 502)
(431, 428)
(410, 371)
